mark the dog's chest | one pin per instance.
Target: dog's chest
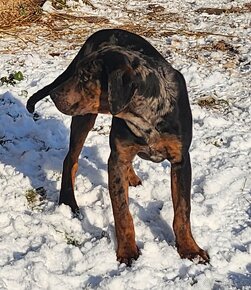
(158, 146)
(161, 147)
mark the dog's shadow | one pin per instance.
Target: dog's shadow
(151, 216)
(36, 147)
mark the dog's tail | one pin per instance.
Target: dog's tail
(39, 95)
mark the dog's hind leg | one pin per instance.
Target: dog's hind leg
(181, 186)
(134, 180)
(80, 127)
(181, 183)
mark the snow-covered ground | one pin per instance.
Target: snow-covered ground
(42, 246)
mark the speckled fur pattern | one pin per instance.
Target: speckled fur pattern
(119, 73)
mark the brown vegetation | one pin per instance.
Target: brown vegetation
(13, 12)
(218, 11)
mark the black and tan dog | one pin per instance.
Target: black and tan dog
(119, 73)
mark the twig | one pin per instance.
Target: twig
(243, 188)
(198, 33)
(13, 34)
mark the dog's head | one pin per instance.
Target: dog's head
(80, 93)
(106, 82)
(103, 81)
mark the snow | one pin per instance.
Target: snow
(43, 246)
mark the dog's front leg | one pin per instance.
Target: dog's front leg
(127, 249)
(181, 186)
(123, 150)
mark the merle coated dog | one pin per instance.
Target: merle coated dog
(119, 73)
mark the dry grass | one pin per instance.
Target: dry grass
(16, 12)
(138, 29)
(60, 26)
(158, 14)
(214, 103)
(221, 46)
(62, 4)
(218, 11)
(35, 197)
(65, 24)
(74, 18)
(147, 31)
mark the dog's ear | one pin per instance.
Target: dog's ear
(121, 88)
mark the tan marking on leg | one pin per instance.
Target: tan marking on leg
(73, 173)
(134, 180)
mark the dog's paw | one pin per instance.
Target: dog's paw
(134, 181)
(64, 199)
(77, 214)
(128, 257)
(198, 257)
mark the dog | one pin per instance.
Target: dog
(119, 73)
